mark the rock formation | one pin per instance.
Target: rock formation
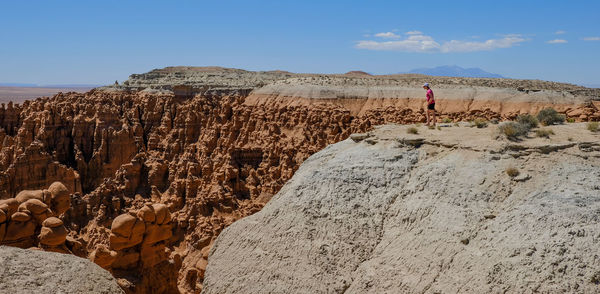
(435, 212)
(31, 271)
(33, 211)
(211, 145)
(138, 244)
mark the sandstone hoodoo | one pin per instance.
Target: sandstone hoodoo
(157, 166)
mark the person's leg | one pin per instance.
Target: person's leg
(427, 113)
(433, 111)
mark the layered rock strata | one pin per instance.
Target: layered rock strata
(212, 146)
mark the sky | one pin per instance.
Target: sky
(98, 42)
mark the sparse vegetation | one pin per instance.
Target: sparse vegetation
(529, 120)
(592, 126)
(439, 128)
(513, 130)
(456, 124)
(570, 120)
(418, 124)
(431, 127)
(479, 123)
(412, 130)
(512, 172)
(570, 139)
(494, 121)
(446, 120)
(544, 133)
(549, 116)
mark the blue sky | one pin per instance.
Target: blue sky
(97, 42)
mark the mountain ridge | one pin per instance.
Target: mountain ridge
(456, 71)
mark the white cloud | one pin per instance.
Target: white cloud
(591, 39)
(387, 35)
(414, 43)
(422, 43)
(560, 32)
(491, 44)
(414, 33)
(557, 41)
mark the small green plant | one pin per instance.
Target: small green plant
(592, 126)
(513, 130)
(446, 120)
(529, 120)
(570, 120)
(549, 116)
(512, 172)
(544, 133)
(412, 130)
(456, 124)
(479, 123)
(431, 127)
(439, 128)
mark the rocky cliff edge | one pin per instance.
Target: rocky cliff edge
(393, 212)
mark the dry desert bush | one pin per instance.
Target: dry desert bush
(528, 120)
(512, 172)
(549, 116)
(513, 130)
(412, 130)
(544, 133)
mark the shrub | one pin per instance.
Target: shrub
(513, 130)
(592, 126)
(512, 172)
(479, 123)
(549, 116)
(529, 120)
(494, 121)
(446, 120)
(544, 133)
(439, 128)
(570, 120)
(412, 130)
(431, 127)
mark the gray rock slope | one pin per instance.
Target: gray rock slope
(33, 271)
(383, 216)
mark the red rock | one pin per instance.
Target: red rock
(199, 162)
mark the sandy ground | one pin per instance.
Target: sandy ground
(20, 94)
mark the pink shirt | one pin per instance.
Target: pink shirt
(430, 99)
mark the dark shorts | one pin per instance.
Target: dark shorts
(431, 106)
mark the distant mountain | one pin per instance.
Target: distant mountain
(591, 85)
(456, 71)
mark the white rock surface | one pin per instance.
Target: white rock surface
(443, 218)
(33, 271)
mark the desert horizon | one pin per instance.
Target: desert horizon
(319, 147)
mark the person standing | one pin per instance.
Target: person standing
(430, 104)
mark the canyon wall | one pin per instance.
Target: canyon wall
(159, 166)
